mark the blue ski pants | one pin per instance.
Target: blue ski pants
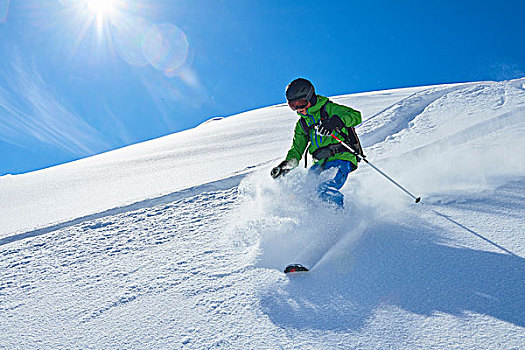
(332, 176)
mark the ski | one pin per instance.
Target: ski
(295, 268)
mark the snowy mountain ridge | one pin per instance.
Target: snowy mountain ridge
(180, 242)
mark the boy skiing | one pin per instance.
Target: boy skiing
(319, 120)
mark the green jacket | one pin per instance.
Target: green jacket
(349, 116)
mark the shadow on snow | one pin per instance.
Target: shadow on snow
(403, 267)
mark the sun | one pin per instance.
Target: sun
(101, 8)
(102, 11)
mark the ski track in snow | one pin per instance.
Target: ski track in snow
(399, 116)
(216, 185)
(200, 268)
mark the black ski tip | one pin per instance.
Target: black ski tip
(295, 268)
(418, 199)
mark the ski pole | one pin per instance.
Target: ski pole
(359, 157)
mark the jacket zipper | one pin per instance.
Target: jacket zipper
(314, 132)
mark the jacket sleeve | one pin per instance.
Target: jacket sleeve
(348, 115)
(300, 141)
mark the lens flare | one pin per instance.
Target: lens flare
(136, 40)
(4, 10)
(128, 36)
(166, 47)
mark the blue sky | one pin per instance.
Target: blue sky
(77, 79)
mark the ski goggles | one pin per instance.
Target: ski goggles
(302, 102)
(298, 104)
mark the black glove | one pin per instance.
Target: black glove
(328, 126)
(283, 168)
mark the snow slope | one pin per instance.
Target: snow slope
(216, 150)
(179, 242)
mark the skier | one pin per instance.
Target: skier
(318, 119)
